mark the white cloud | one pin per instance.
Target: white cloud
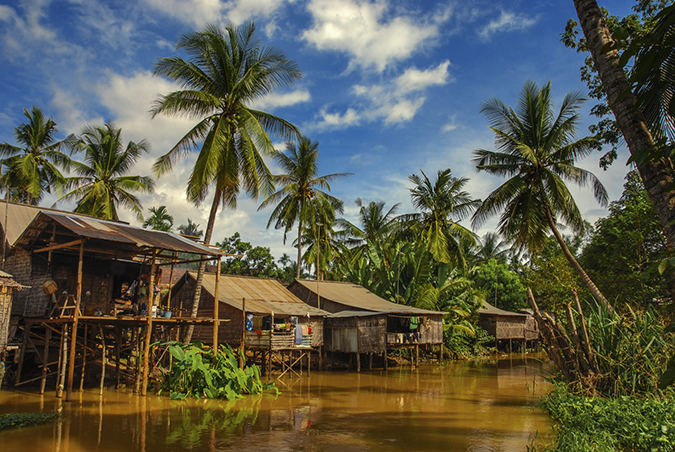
(507, 21)
(415, 80)
(275, 100)
(367, 32)
(450, 126)
(201, 12)
(394, 102)
(23, 31)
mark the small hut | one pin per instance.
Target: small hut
(507, 325)
(363, 323)
(262, 314)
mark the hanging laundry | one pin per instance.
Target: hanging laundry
(414, 322)
(298, 335)
(249, 322)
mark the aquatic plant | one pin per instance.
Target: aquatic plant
(598, 424)
(18, 420)
(198, 372)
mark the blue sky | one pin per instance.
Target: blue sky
(389, 88)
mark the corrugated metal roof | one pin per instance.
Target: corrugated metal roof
(488, 309)
(358, 297)
(343, 314)
(19, 216)
(263, 296)
(95, 228)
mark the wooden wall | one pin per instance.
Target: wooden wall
(503, 327)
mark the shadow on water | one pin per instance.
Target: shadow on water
(486, 405)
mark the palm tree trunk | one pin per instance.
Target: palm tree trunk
(202, 266)
(297, 273)
(629, 118)
(592, 288)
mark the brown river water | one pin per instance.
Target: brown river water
(481, 405)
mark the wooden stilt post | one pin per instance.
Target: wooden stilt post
(137, 359)
(358, 362)
(76, 315)
(216, 305)
(84, 355)
(309, 361)
(118, 339)
(148, 333)
(417, 355)
(320, 357)
(370, 361)
(58, 368)
(45, 360)
(64, 362)
(22, 353)
(386, 360)
(243, 333)
(104, 361)
(441, 356)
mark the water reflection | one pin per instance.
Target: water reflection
(468, 406)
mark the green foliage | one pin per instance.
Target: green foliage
(32, 166)
(502, 286)
(190, 229)
(196, 372)
(624, 247)
(633, 350)
(18, 420)
(102, 183)
(550, 276)
(625, 31)
(621, 424)
(159, 220)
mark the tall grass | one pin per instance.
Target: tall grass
(632, 350)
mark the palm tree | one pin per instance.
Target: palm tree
(190, 229)
(301, 198)
(491, 247)
(442, 204)
(226, 71)
(33, 165)
(160, 220)
(537, 152)
(656, 173)
(376, 225)
(102, 184)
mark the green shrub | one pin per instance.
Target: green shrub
(196, 372)
(17, 420)
(621, 424)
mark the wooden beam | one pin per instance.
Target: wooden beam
(216, 304)
(58, 247)
(148, 333)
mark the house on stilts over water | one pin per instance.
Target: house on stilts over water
(508, 326)
(361, 323)
(264, 318)
(92, 295)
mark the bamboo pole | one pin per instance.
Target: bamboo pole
(84, 355)
(118, 339)
(76, 315)
(104, 362)
(137, 358)
(22, 354)
(592, 358)
(243, 333)
(45, 359)
(64, 363)
(148, 333)
(58, 368)
(216, 304)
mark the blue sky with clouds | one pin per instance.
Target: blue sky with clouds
(389, 88)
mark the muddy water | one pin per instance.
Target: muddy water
(467, 406)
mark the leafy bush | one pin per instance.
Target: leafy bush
(196, 372)
(462, 345)
(621, 424)
(18, 420)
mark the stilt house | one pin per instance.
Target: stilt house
(507, 325)
(363, 323)
(261, 312)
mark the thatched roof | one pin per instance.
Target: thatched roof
(488, 309)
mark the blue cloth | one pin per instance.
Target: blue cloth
(298, 335)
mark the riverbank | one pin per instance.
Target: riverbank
(479, 405)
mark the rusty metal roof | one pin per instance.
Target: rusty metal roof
(263, 296)
(19, 216)
(110, 231)
(357, 297)
(488, 309)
